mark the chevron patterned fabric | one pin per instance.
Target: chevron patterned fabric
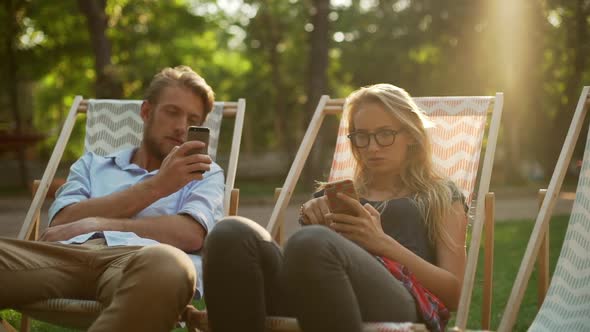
(567, 305)
(213, 122)
(457, 139)
(113, 125)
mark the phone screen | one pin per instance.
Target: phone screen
(335, 204)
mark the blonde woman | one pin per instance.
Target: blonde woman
(399, 258)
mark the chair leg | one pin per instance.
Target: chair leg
(486, 307)
(25, 323)
(543, 260)
(279, 238)
(34, 234)
(5, 326)
(234, 202)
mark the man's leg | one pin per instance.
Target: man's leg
(141, 286)
(335, 285)
(145, 290)
(241, 267)
(32, 271)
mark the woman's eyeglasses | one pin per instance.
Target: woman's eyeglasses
(383, 137)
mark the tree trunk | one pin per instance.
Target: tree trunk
(107, 83)
(317, 81)
(11, 10)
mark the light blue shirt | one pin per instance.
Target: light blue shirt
(95, 176)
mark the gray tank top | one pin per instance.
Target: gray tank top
(401, 220)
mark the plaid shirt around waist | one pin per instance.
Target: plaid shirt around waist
(431, 309)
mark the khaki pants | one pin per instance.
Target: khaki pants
(142, 288)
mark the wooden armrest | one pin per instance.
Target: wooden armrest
(53, 187)
(234, 201)
(280, 236)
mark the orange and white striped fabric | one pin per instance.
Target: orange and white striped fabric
(457, 138)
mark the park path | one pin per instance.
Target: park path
(511, 204)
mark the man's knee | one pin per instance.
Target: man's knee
(164, 267)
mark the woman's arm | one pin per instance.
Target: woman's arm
(444, 279)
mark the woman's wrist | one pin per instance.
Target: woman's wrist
(387, 246)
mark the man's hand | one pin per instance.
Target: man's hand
(178, 169)
(68, 231)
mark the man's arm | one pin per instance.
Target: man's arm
(180, 231)
(123, 204)
(200, 206)
(175, 173)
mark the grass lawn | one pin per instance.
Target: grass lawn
(511, 239)
(510, 244)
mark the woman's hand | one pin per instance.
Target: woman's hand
(315, 210)
(363, 229)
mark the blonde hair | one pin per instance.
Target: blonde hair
(180, 76)
(432, 193)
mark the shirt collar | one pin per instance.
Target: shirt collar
(123, 159)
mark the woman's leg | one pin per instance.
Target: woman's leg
(241, 268)
(334, 285)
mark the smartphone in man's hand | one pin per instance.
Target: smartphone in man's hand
(196, 133)
(335, 204)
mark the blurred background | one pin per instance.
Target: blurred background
(282, 55)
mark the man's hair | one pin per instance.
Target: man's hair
(180, 76)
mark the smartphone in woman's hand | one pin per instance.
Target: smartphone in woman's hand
(335, 204)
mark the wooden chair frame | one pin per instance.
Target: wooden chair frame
(47, 186)
(484, 208)
(538, 246)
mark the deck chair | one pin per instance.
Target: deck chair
(112, 125)
(567, 304)
(457, 142)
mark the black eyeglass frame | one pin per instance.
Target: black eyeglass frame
(353, 134)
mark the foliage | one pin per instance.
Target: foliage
(533, 51)
(510, 242)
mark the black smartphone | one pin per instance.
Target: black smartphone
(196, 133)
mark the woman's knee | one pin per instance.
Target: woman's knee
(309, 244)
(231, 230)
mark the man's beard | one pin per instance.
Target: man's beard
(152, 145)
(154, 149)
